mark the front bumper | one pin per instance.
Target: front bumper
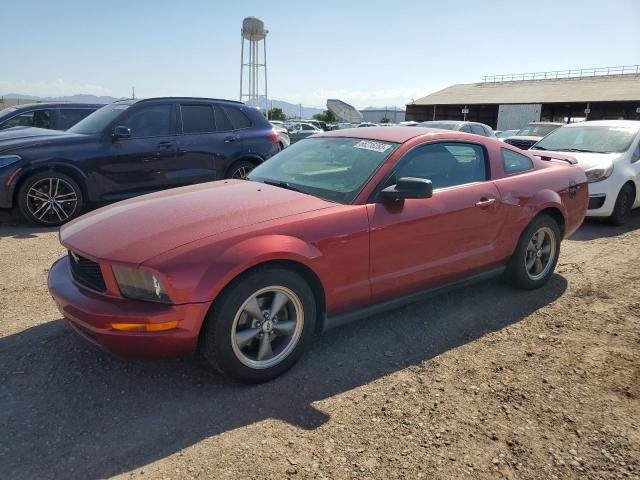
(602, 199)
(9, 177)
(91, 315)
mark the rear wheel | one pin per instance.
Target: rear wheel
(240, 169)
(50, 198)
(623, 206)
(260, 325)
(536, 254)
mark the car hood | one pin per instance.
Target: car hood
(19, 137)
(586, 160)
(138, 229)
(529, 138)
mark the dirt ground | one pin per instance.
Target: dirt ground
(488, 382)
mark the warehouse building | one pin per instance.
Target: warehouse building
(383, 115)
(511, 101)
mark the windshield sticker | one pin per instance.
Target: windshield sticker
(373, 146)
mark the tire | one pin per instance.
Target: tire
(523, 267)
(240, 169)
(239, 356)
(623, 206)
(35, 200)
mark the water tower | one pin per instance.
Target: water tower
(253, 63)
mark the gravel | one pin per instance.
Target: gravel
(487, 382)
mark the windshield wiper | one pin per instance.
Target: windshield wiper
(281, 184)
(575, 150)
(537, 148)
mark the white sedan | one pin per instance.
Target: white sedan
(609, 153)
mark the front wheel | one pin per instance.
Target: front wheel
(260, 325)
(536, 254)
(50, 198)
(622, 209)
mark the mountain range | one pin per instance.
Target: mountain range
(289, 109)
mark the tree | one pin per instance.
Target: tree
(385, 120)
(326, 116)
(276, 114)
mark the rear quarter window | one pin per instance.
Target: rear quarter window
(238, 119)
(514, 162)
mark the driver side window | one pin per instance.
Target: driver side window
(149, 121)
(445, 164)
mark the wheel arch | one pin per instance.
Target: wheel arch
(556, 214)
(309, 275)
(75, 173)
(255, 159)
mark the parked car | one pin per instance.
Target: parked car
(282, 132)
(345, 125)
(531, 133)
(609, 153)
(336, 227)
(53, 116)
(298, 131)
(460, 126)
(504, 134)
(366, 124)
(316, 123)
(129, 148)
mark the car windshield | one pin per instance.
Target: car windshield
(332, 168)
(7, 110)
(98, 120)
(536, 130)
(440, 125)
(589, 138)
(506, 133)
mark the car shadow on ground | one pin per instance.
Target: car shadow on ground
(593, 228)
(69, 410)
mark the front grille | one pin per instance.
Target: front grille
(521, 144)
(86, 272)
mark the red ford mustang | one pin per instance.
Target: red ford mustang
(336, 227)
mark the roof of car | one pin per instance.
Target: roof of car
(138, 100)
(606, 123)
(30, 106)
(397, 134)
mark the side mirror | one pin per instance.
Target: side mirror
(408, 187)
(121, 132)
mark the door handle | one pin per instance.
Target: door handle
(165, 145)
(485, 202)
(231, 138)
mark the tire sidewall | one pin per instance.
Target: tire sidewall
(619, 216)
(215, 339)
(30, 181)
(517, 269)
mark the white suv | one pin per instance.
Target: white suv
(609, 153)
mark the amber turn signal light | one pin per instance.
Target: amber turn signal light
(144, 327)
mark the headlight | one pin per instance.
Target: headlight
(598, 174)
(8, 159)
(140, 284)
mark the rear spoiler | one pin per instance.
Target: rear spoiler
(549, 156)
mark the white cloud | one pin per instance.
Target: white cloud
(56, 88)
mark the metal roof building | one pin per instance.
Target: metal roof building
(511, 101)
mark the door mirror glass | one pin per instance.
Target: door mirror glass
(121, 132)
(408, 187)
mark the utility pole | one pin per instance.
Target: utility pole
(300, 111)
(133, 93)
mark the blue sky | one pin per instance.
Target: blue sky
(369, 53)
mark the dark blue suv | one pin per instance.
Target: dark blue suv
(129, 148)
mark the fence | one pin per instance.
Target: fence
(559, 74)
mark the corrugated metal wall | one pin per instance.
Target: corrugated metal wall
(517, 116)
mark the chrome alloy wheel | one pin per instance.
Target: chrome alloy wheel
(541, 252)
(267, 327)
(242, 172)
(52, 200)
